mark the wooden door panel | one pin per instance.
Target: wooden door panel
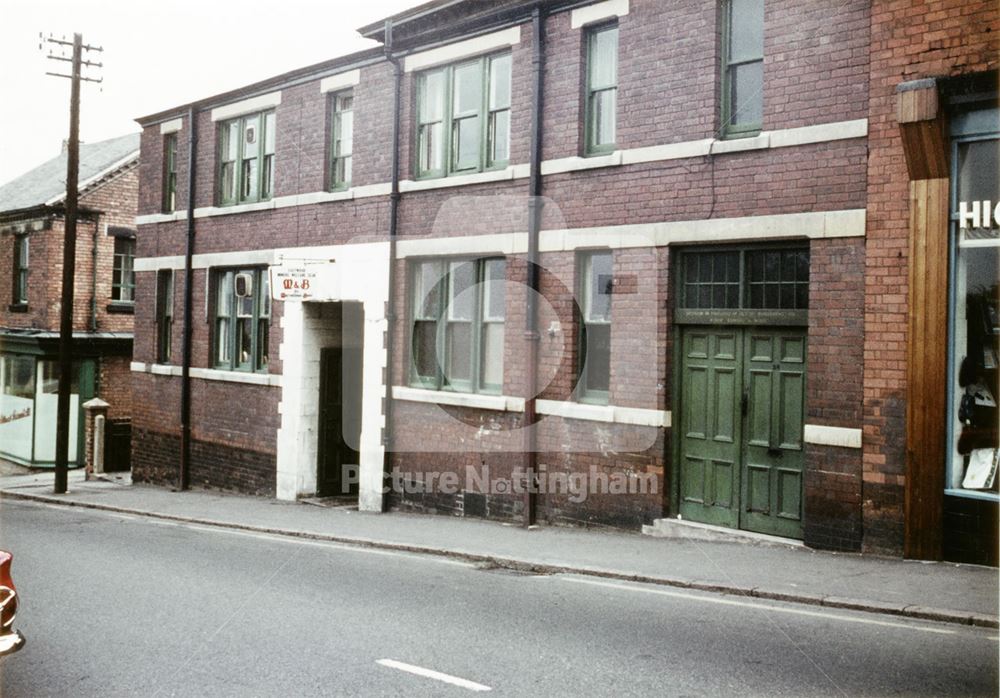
(710, 425)
(789, 491)
(773, 453)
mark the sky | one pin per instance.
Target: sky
(157, 54)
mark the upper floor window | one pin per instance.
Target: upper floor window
(743, 67)
(164, 314)
(602, 89)
(463, 117)
(170, 173)
(20, 270)
(341, 139)
(123, 271)
(246, 158)
(242, 319)
(596, 285)
(458, 310)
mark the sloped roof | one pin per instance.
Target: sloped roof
(46, 184)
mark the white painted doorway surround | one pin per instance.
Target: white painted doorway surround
(357, 273)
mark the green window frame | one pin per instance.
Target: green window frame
(341, 140)
(164, 314)
(241, 323)
(601, 99)
(458, 311)
(766, 285)
(742, 95)
(170, 173)
(463, 117)
(21, 263)
(123, 270)
(246, 159)
(596, 275)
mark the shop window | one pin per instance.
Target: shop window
(20, 295)
(246, 159)
(341, 139)
(170, 173)
(975, 325)
(123, 271)
(242, 319)
(742, 67)
(463, 117)
(17, 405)
(164, 314)
(457, 334)
(602, 89)
(596, 285)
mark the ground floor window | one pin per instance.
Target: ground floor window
(975, 302)
(594, 366)
(242, 319)
(29, 395)
(457, 311)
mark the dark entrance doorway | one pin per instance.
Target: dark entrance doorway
(339, 432)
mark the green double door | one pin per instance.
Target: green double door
(742, 410)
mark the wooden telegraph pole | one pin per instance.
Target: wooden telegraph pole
(69, 249)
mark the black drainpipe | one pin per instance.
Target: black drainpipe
(93, 275)
(184, 470)
(535, 204)
(394, 197)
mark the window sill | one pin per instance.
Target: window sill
(609, 414)
(423, 183)
(210, 374)
(17, 308)
(575, 164)
(973, 494)
(120, 308)
(734, 143)
(499, 403)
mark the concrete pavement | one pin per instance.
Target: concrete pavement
(964, 594)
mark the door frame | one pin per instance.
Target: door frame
(745, 319)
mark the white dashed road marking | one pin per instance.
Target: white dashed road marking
(436, 675)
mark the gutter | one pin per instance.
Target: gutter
(535, 205)
(394, 198)
(183, 474)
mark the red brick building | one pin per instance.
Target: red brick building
(31, 245)
(577, 262)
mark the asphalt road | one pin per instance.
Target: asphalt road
(116, 605)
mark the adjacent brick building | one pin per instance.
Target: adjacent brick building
(31, 245)
(707, 300)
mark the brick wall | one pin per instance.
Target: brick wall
(817, 66)
(910, 40)
(834, 392)
(112, 202)
(114, 385)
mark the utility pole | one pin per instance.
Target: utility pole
(69, 246)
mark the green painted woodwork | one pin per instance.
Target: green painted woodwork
(742, 413)
(775, 370)
(601, 99)
(710, 425)
(463, 117)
